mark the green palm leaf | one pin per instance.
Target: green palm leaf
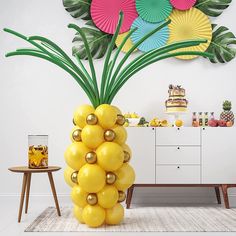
(212, 8)
(78, 8)
(222, 45)
(98, 42)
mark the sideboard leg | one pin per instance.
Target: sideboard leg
(224, 188)
(129, 196)
(217, 190)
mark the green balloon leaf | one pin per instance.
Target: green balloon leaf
(222, 45)
(98, 42)
(78, 8)
(213, 8)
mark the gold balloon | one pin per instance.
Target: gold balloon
(92, 119)
(109, 135)
(91, 157)
(110, 178)
(74, 177)
(76, 135)
(122, 196)
(120, 120)
(73, 121)
(92, 199)
(126, 156)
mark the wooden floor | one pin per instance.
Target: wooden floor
(10, 227)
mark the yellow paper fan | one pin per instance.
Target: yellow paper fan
(128, 45)
(190, 24)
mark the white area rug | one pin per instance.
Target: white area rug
(145, 219)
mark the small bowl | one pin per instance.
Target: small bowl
(133, 121)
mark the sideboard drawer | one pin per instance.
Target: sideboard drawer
(188, 155)
(178, 174)
(178, 136)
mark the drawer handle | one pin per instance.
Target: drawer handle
(178, 167)
(178, 148)
(178, 128)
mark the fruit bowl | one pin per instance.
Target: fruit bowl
(133, 121)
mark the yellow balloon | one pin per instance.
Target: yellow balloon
(92, 136)
(106, 115)
(92, 178)
(93, 216)
(121, 134)
(114, 215)
(67, 176)
(81, 114)
(118, 111)
(75, 155)
(108, 196)
(127, 149)
(110, 156)
(79, 196)
(78, 213)
(125, 177)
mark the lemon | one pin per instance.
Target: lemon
(110, 156)
(92, 178)
(81, 114)
(179, 123)
(107, 115)
(93, 216)
(92, 136)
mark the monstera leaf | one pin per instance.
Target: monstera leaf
(98, 42)
(212, 7)
(222, 45)
(78, 8)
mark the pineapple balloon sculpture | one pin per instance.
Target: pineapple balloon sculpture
(98, 158)
(227, 115)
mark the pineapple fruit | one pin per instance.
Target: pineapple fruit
(98, 165)
(227, 115)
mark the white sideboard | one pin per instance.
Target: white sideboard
(184, 156)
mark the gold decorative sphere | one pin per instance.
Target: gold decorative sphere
(92, 199)
(120, 120)
(92, 119)
(74, 178)
(110, 178)
(122, 196)
(109, 135)
(126, 156)
(76, 135)
(91, 157)
(73, 121)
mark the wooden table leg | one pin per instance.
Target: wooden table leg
(224, 188)
(22, 196)
(27, 192)
(129, 197)
(127, 194)
(54, 192)
(217, 190)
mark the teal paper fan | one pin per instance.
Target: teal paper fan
(153, 10)
(157, 40)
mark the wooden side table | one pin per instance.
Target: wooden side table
(26, 185)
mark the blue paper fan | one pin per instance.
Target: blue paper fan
(157, 40)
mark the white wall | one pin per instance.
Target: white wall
(37, 97)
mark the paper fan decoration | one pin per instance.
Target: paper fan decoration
(105, 14)
(157, 40)
(182, 4)
(190, 24)
(128, 45)
(153, 10)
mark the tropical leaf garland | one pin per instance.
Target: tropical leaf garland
(212, 8)
(98, 42)
(222, 45)
(78, 8)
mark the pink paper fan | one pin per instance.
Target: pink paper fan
(182, 4)
(105, 14)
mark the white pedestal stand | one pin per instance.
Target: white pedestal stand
(175, 116)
